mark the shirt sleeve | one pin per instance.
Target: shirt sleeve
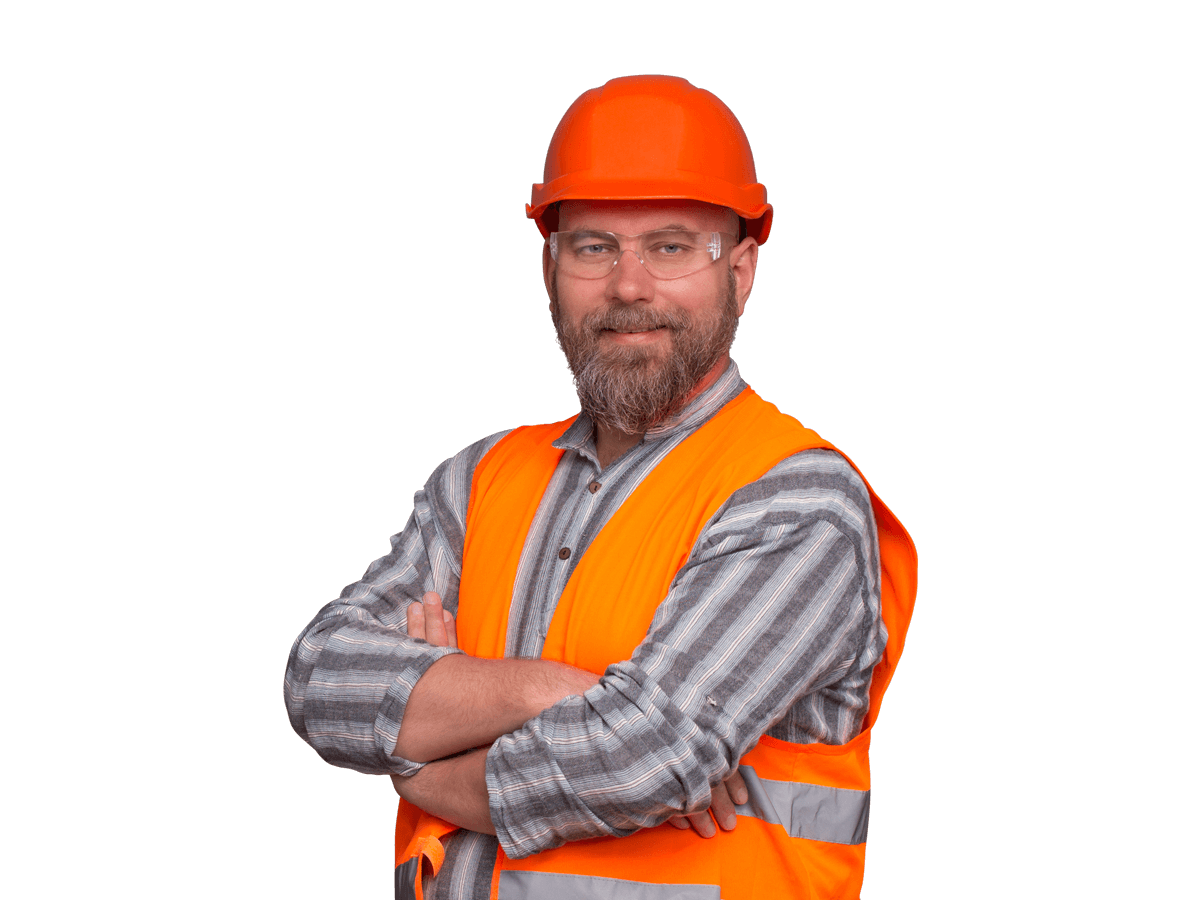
(773, 624)
(351, 671)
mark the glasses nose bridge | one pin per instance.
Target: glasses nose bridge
(621, 251)
(622, 239)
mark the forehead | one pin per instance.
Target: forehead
(637, 216)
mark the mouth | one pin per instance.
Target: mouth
(634, 330)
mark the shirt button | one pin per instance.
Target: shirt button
(564, 553)
(594, 486)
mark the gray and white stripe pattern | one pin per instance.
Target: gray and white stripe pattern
(772, 626)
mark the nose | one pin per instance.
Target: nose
(629, 281)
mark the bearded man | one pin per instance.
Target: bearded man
(636, 653)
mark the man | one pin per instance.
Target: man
(672, 607)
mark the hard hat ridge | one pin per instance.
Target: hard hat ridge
(651, 137)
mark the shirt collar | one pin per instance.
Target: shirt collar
(705, 405)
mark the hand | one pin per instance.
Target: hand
(429, 622)
(724, 797)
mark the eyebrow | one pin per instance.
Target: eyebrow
(674, 226)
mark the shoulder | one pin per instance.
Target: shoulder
(461, 466)
(809, 486)
(818, 472)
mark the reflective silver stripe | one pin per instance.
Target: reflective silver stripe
(406, 878)
(552, 886)
(812, 811)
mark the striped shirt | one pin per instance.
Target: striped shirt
(771, 627)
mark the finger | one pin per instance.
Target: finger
(703, 824)
(435, 627)
(451, 628)
(722, 808)
(415, 614)
(736, 785)
(680, 822)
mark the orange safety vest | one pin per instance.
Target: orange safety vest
(803, 832)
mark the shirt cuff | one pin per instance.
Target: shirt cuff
(391, 711)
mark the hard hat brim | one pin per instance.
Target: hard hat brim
(749, 201)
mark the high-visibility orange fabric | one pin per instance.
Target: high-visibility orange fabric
(636, 556)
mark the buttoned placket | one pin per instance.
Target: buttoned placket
(586, 498)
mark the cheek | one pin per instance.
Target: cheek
(695, 299)
(576, 300)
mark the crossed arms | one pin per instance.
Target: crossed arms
(462, 703)
(771, 625)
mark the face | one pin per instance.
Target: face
(639, 348)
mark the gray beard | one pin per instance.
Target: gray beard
(633, 388)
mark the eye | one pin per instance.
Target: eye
(673, 247)
(592, 246)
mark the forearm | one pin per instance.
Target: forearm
(463, 702)
(452, 789)
(602, 765)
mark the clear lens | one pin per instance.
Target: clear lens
(665, 254)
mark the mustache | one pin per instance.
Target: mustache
(632, 318)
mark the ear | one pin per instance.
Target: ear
(547, 267)
(743, 260)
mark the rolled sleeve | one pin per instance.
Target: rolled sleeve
(352, 670)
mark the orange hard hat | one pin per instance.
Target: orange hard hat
(651, 137)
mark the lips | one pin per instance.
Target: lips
(633, 320)
(634, 330)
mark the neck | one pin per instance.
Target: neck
(612, 443)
